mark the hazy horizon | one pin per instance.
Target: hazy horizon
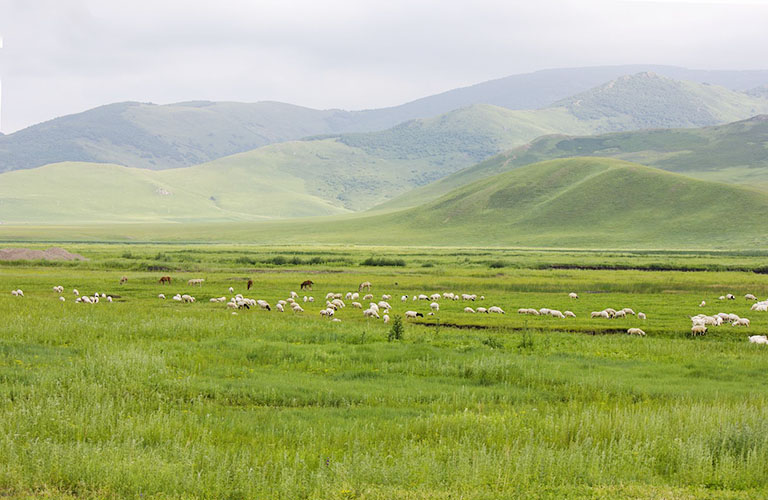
(60, 59)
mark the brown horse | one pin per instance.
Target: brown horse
(307, 285)
(165, 279)
(250, 284)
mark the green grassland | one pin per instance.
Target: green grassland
(569, 203)
(145, 398)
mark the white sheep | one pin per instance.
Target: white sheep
(619, 314)
(730, 296)
(573, 295)
(482, 310)
(434, 306)
(413, 314)
(635, 331)
(640, 315)
(311, 299)
(600, 314)
(741, 322)
(569, 314)
(297, 308)
(403, 298)
(231, 290)
(469, 310)
(758, 339)
(698, 330)
(370, 313)
(384, 305)
(161, 296)
(62, 299)
(294, 295)
(386, 318)
(496, 310)
(368, 296)
(279, 307)
(263, 304)
(386, 297)
(703, 303)
(357, 305)
(749, 296)
(434, 297)
(628, 310)
(74, 290)
(556, 314)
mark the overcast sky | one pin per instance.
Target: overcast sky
(65, 56)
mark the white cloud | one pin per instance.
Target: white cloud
(63, 57)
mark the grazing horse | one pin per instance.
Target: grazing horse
(364, 284)
(250, 284)
(307, 285)
(123, 279)
(165, 279)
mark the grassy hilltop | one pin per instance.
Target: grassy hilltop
(580, 203)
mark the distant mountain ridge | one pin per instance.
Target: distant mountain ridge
(183, 134)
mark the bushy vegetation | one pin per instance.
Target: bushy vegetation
(383, 262)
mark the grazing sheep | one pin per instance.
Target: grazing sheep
(434, 297)
(496, 310)
(722, 297)
(611, 312)
(196, 281)
(279, 307)
(569, 314)
(413, 314)
(573, 295)
(640, 315)
(760, 306)
(403, 298)
(368, 296)
(730, 296)
(532, 312)
(749, 296)
(758, 339)
(386, 318)
(635, 331)
(338, 303)
(109, 298)
(628, 310)
(365, 284)
(357, 305)
(386, 297)
(544, 311)
(263, 304)
(75, 291)
(600, 314)
(469, 310)
(741, 322)
(187, 298)
(231, 290)
(434, 306)
(370, 313)
(703, 303)
(297, 308)
(619, 314)
(62, 299)
(556, 314)
(698, 330)
(482, 310)
(327, 312)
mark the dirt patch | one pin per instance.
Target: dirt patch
(54, 253)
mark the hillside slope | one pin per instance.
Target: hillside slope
(183, 134)
(735, 153)
(568, 203)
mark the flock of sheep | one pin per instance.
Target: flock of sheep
(381, 309)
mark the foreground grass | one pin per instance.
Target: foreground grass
(156, 399)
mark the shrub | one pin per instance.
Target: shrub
(383, 261)
(397, 330)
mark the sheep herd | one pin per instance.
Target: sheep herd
(382, 308)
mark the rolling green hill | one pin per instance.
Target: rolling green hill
(335, 174)
(735, 153)
(567, 203)
(183, 134)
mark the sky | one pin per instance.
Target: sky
(66, 56)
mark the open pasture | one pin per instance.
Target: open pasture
(152, 398)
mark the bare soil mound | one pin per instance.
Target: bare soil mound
(54, 253)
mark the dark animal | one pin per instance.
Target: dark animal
(419, 315)
(307, 285)
(165, 279)
(250, 284)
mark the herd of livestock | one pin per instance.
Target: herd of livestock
(381, 309)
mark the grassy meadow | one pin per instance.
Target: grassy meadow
(151, 398)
